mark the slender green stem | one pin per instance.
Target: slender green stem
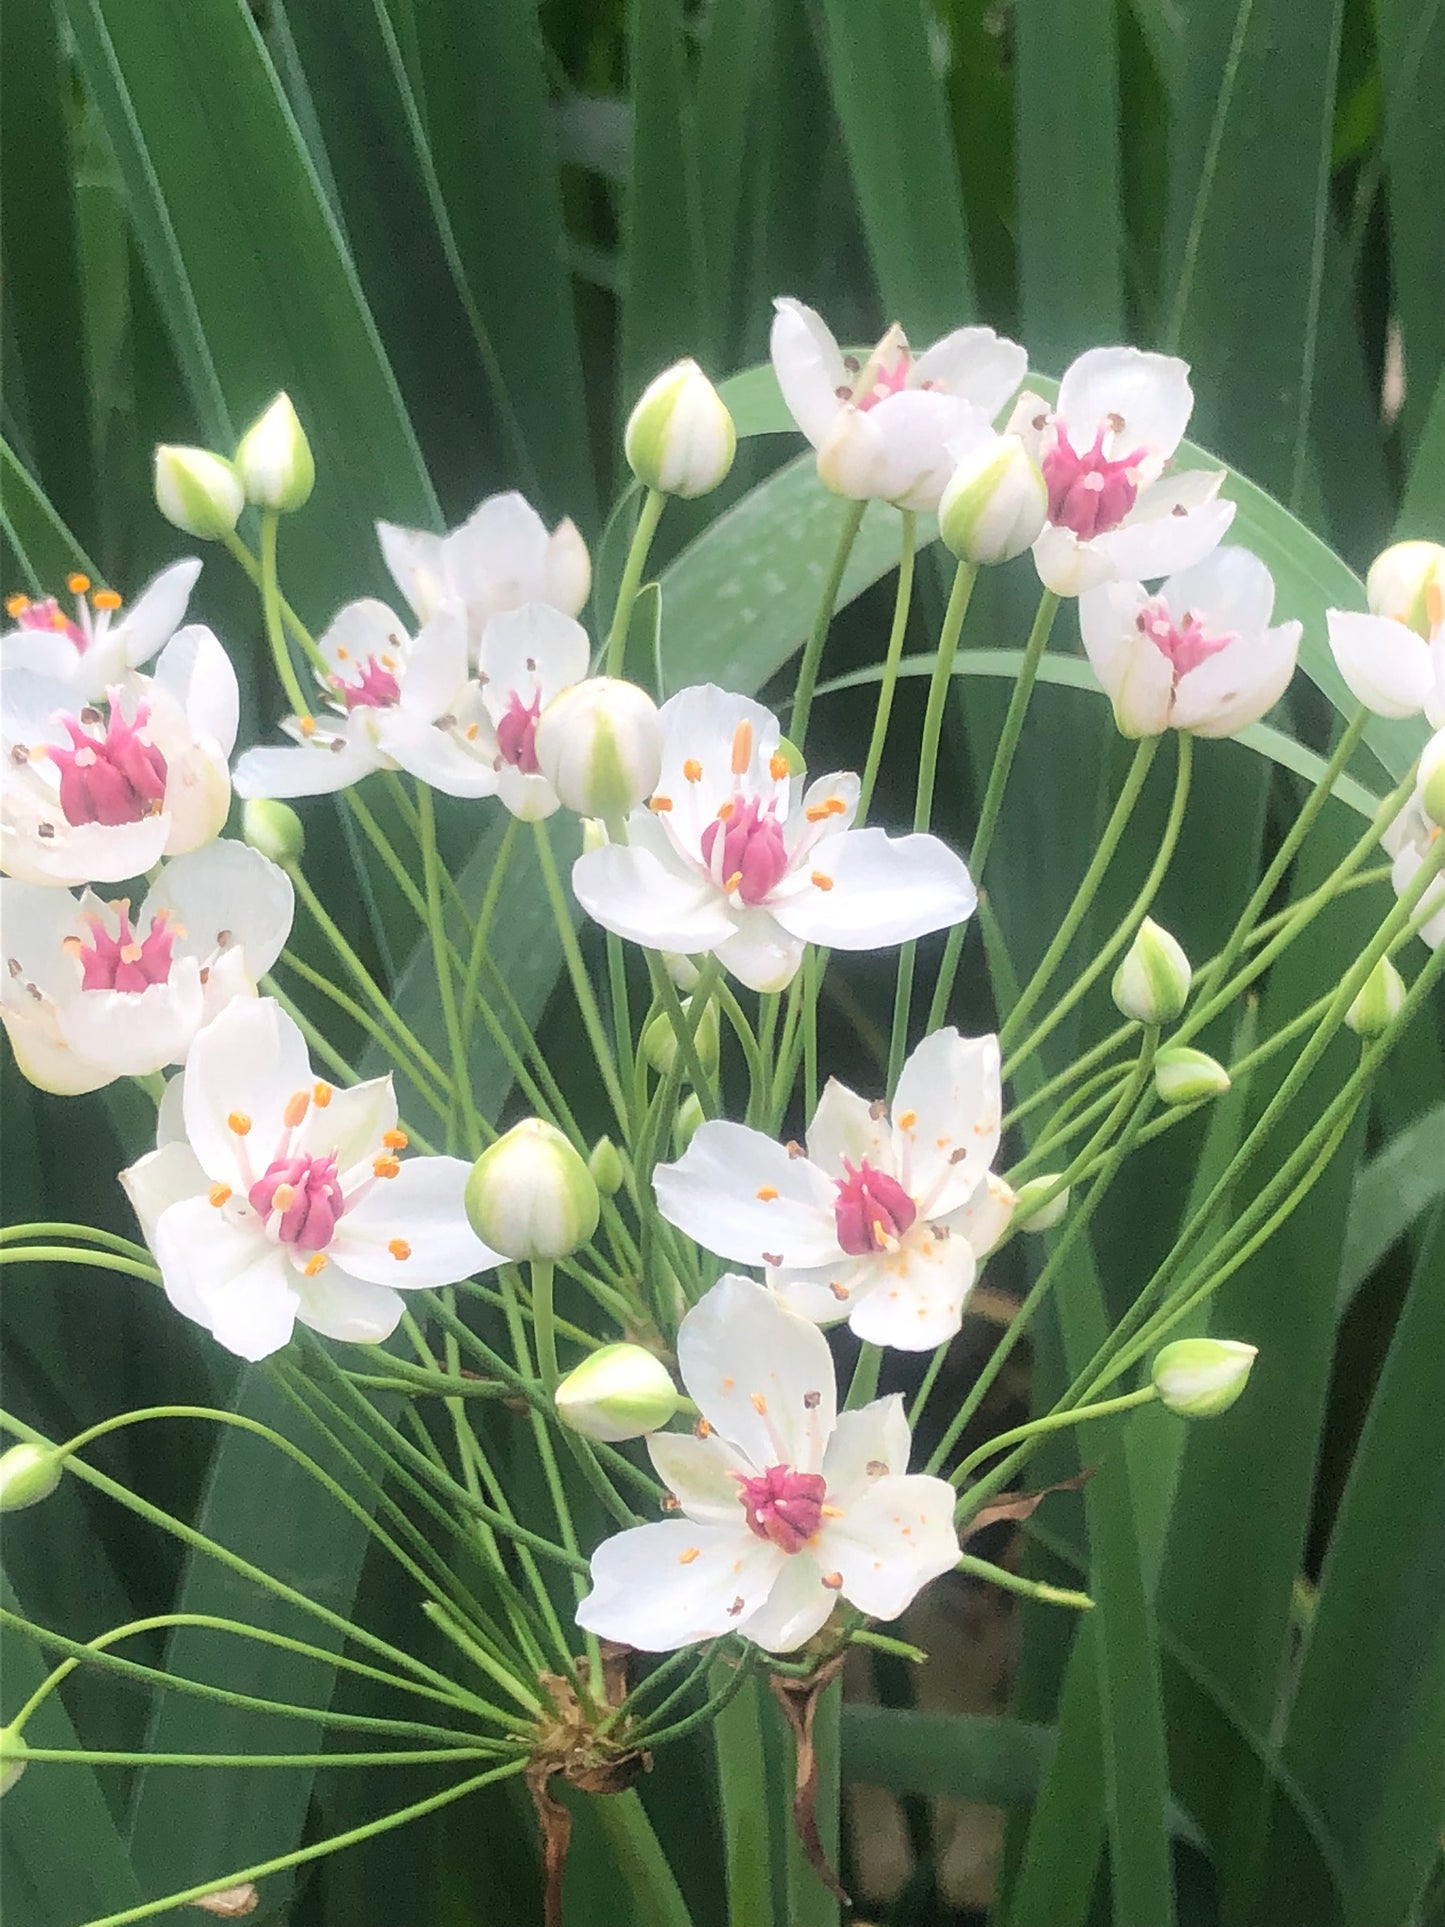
(384, 1040)
(1050, 1422)
(897, 636)
(271, 612)
(382, 844)
(685, 1023)
(1034, 1589)
(581, 982)
(416, 1756)
(446, 990)
(542, 1319)
(827, 601)
(482, 929)
(237, 548)
(55, 1228)
(964, 577)
(78, 1255)
(648, 517)
(1003, 757)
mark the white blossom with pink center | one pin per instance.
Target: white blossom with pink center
(1115, 511)
(102, 641)
(90, 992)
(500, 558)
(783, 1505)
(99, 791)
(391, 701)
(286, 1197)
(731, 855)
(1410, 839)
(884, 1216)
(1197, 654)
(882, 426)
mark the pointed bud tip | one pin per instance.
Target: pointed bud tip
(1202, 1377)
(274, 459)
(1183, 1075)
(620, 1392)
(197, 492)
(531, 1196)
(995, 504)
(1152, 984)
(605, 1164)
(680, 438)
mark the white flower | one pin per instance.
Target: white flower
(885, 1219)
(1393, 659)
(100, 645)
(1198, 654)
(285, 1198)
(1114, 515)
(96, 793)
(1410, 839)
(398, 703)
(728, 858)
(500, 557)
(882, 430)
(785, 1504)
(88, 996)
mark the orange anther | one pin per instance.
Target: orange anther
(833, 1581)
(758, 1403)
(470, 732)
(297, 1105)
(819, 881)
(342, 655)
(306, 724)
(218, 1194)
(731, 883)
(399, 1249)
(283, 1197)
(766, 1193)
(16, 605)
(58, 619)
(316, 1262)
(238, 1122)
(660, 804)
(777, 766)
(742, 747)
(321, 1095)
(840, 1292)
(908, 1120)
(726, 810)
(385, 1166)
(686, 1557)
(692, 770)
(106, 599)
(395, 1140)
(77, 583)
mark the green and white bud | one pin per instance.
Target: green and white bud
(605, 1164)
(274, 459)
(620, 1392)
(28, 1474)
(274, 829)
(659, 1039)
(995, 504)
(13, 1751)
(680, 438)
(1183, 1075)
(594, 835)
(684, 1126)
(1431, 786)
(1202, 1377)
(198, 492)
(599, 745)
(1152, 984)
(1031, 1213)
(530, 1195)
(1407, 583)
(682, 970)
(1381, 999)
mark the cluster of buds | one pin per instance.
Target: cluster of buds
(203, 493)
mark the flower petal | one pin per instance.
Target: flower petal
(228, 1277)
(161, 1178)
(701, 728)
(1174, 524)
(885, 890)
(949, 1088)
(1109, 627)
(227, 887)
(242, 1069)
(359, 631)
(1068, 566)
(916, 1299)
(759, 953)
(348, 1124)
(985, 1216)
(1149, 393)
(1385, 665)
(497, 559)
(630, 892)
(917, 426)
(893, 1539)
(566, 569)
(740, 1194)
(414, 557)
(699, 1475)
(976, 364)
(533, 649)
(1231, 591)
(530, 798)
(316, 768)
(844, 1126)
(1239, 685)
(797, 1606)
(867, 1445)
(436, 756)
(195, 670)
(809, 367)
(157, 611)
(436, 663)
(411, 1232)
(338, 1305)
(671, 1584)
(761, 1377)
(133, 1034)
(1143, 692)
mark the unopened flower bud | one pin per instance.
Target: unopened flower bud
(659, 1039)
(605, 1164)
(274, 459)
(620, 1392)
(530, 1195)
(274, 829)
(995, 504)
(1202, 1377)
(12, 1757)
(684, 1126)
(599, 745)
(1381, 999)
(1407, 583)
(198, 492)
(680, 437)
(1151, 985)
(594, 835)
(28, 1474)
(1183, 1075)
(1031, 1213)
(682, 970)
(1432, 779)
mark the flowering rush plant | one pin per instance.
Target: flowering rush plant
(585, 1311)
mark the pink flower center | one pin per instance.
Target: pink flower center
(116, 778)
(784, 1506)
(120, 962)
(517, 733)
(1089, 493)
(753, 854)
(377, 687)
(307, 1193)
(886, 382)
(1184, 642)
(48, 615)
(872, 1210)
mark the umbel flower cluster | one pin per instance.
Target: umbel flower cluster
(363, 1231)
